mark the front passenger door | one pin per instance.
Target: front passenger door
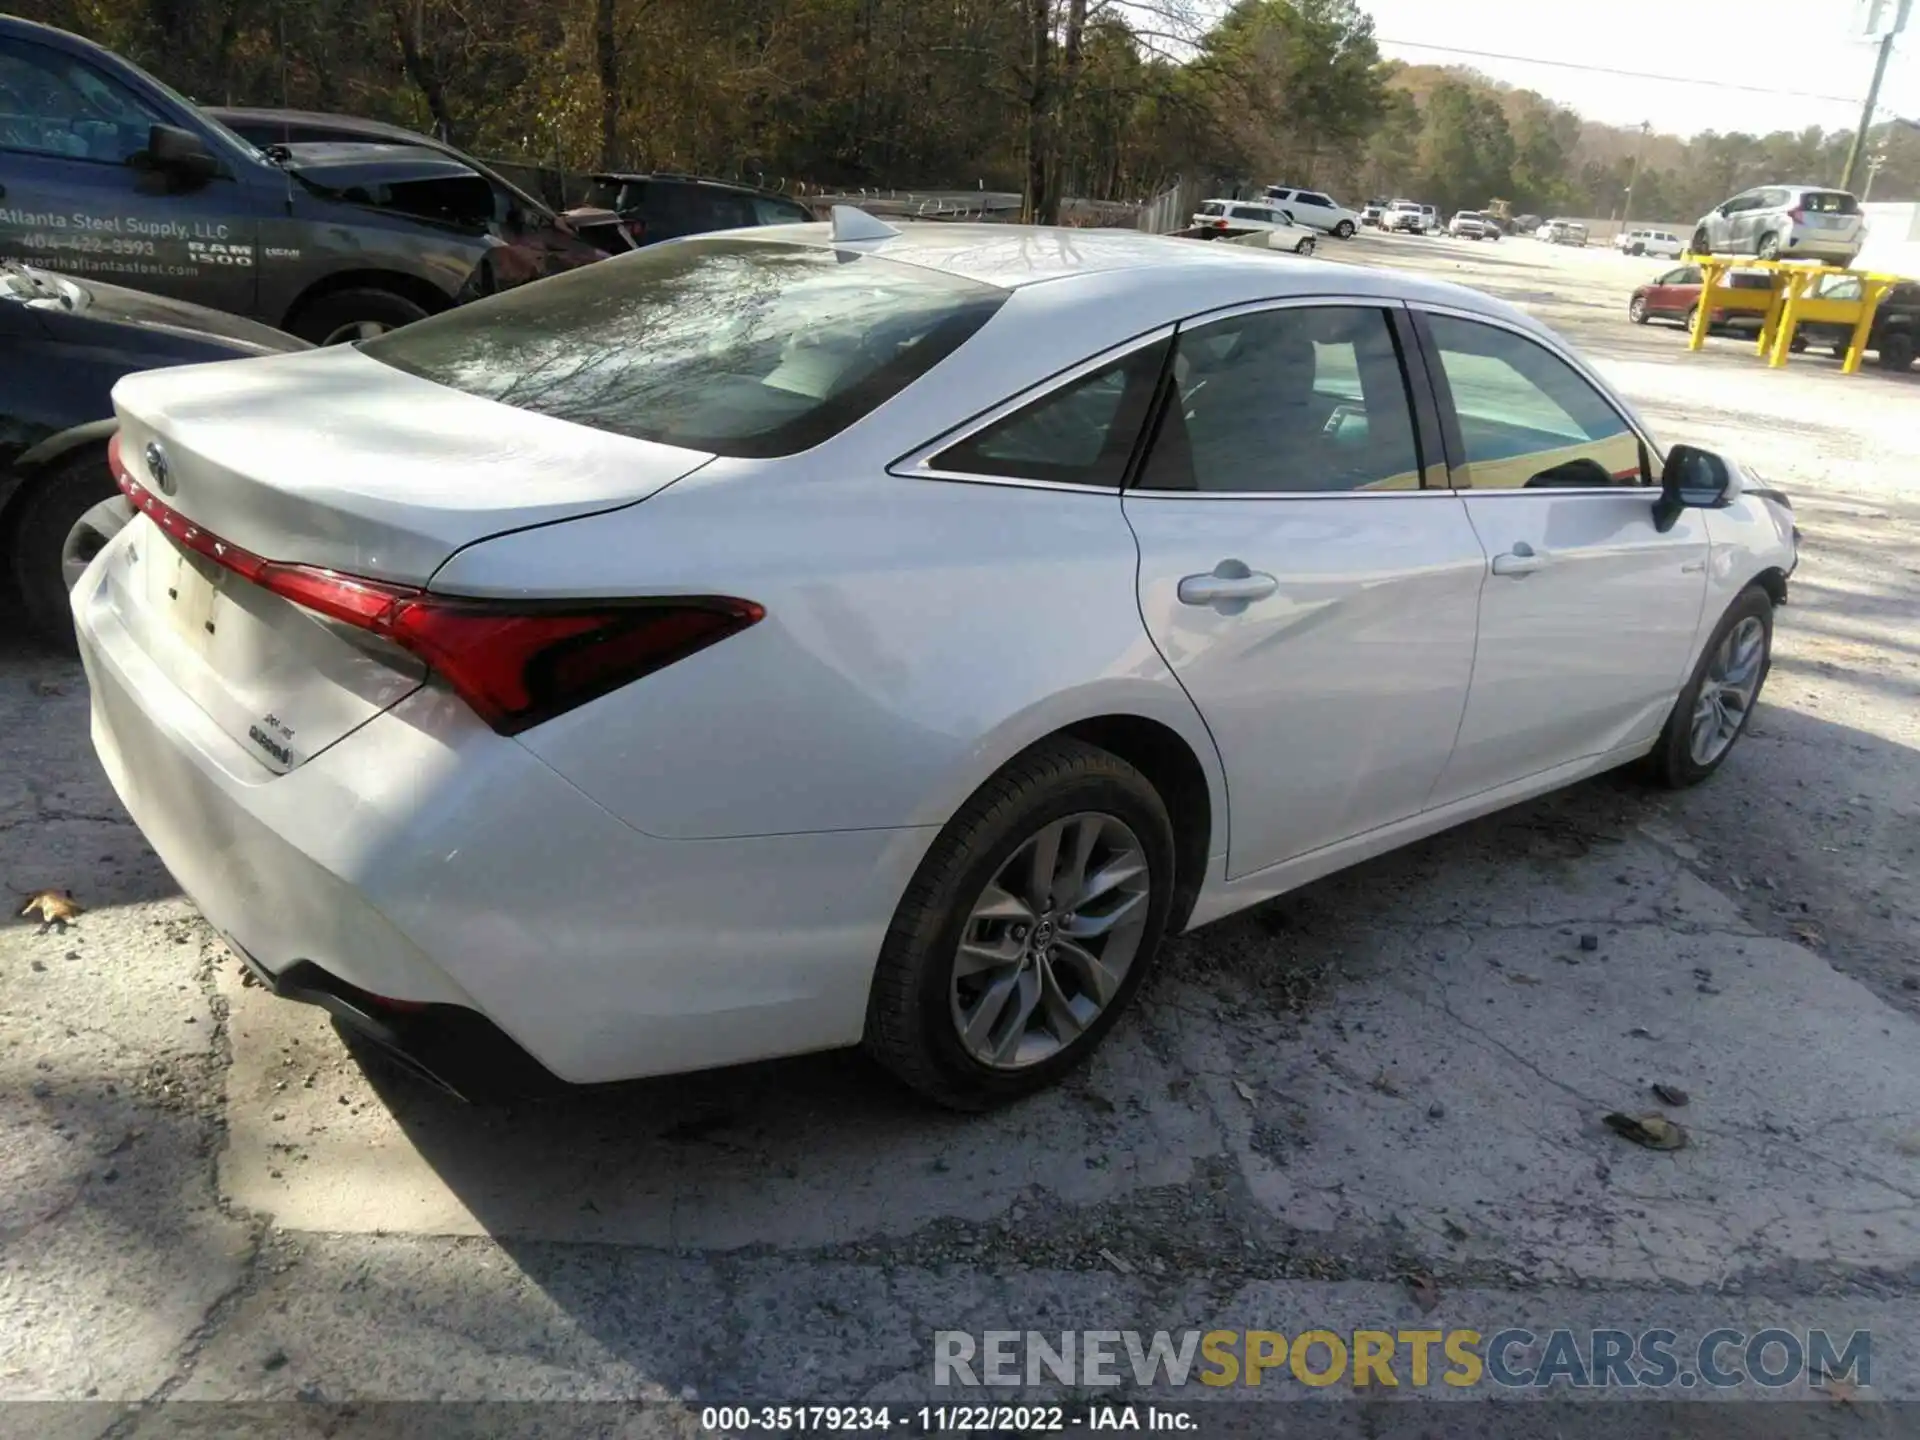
(1589, 611)
(1314, 600)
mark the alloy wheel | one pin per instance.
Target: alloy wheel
(1048, 943)
(1727, 691)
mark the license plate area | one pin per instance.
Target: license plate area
(185, 588)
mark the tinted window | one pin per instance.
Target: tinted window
(1082, 433)
(1251, 212)
(1288, 401)
(1308, 197)
(54, 104)
(1829, 202)
(723, 345)
(1527, 418)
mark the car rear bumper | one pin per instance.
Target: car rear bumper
(426, 860)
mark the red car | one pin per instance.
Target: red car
(1676, 294)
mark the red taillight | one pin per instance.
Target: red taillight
(515, 664)
(1219, 224)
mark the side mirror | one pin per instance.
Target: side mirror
(1692, 479)
(181, 154)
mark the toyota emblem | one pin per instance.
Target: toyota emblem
(158, 468)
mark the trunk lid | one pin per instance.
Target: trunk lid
(331, 460)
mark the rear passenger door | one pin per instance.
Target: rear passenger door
(1589, 611)
(1314, 599)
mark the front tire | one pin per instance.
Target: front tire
(1712, 712)
(1305, 247)
(1637, 310)
(349, 315)
(53, 505)
(1896, 352)
(1344, 230)
(1027, 929)
(1768, 247)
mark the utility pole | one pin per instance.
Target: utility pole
(1633, 177)
(1866, 114)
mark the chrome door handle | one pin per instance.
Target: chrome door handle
(1523, 559)
(1230, 583)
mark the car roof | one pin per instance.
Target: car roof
(675, 177)
(1019, 256)
(267, 115)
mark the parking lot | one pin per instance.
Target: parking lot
(1386, 1085)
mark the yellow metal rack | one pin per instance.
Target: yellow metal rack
(1793, 299)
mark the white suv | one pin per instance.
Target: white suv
(1472, 225)
(1650, 242)
(1784, 222)
(1315, 210)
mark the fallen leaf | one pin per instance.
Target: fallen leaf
(1519, 979)
(1384, 1083)
(1837, 1390)
(48, 687)
(1245, 1090)
(1670, 1095)
(1426, 1294)
(1806, 933)
(1116, 1262)
(55, 907)
(1455, 1230)
(1653, 1130)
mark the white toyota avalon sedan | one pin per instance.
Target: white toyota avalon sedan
(827, 636)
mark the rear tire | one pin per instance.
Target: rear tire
(1896, 352)
(1768, 246)
(55, 500)
(1678, 759)
(1700, 244)
(1637, 250)
(916, 1005)
(1344, 230)
(349, 315)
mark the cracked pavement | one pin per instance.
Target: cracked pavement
(206, 1195)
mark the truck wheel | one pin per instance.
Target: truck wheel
(1896, 352)
(348, 315)
(54, 501)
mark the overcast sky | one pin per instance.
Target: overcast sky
(1805, 47)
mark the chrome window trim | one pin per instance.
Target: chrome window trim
(1580, 368)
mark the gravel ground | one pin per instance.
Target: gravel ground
(1400, 1071)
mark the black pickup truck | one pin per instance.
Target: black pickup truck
(1896, 323)
(107, 174)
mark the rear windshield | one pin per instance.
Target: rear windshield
(1213, 207)
(731, 346)
(1829, 202)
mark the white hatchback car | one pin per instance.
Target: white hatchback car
(781, 640)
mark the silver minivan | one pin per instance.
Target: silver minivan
(1784, 222)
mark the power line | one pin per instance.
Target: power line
(1608, 70)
